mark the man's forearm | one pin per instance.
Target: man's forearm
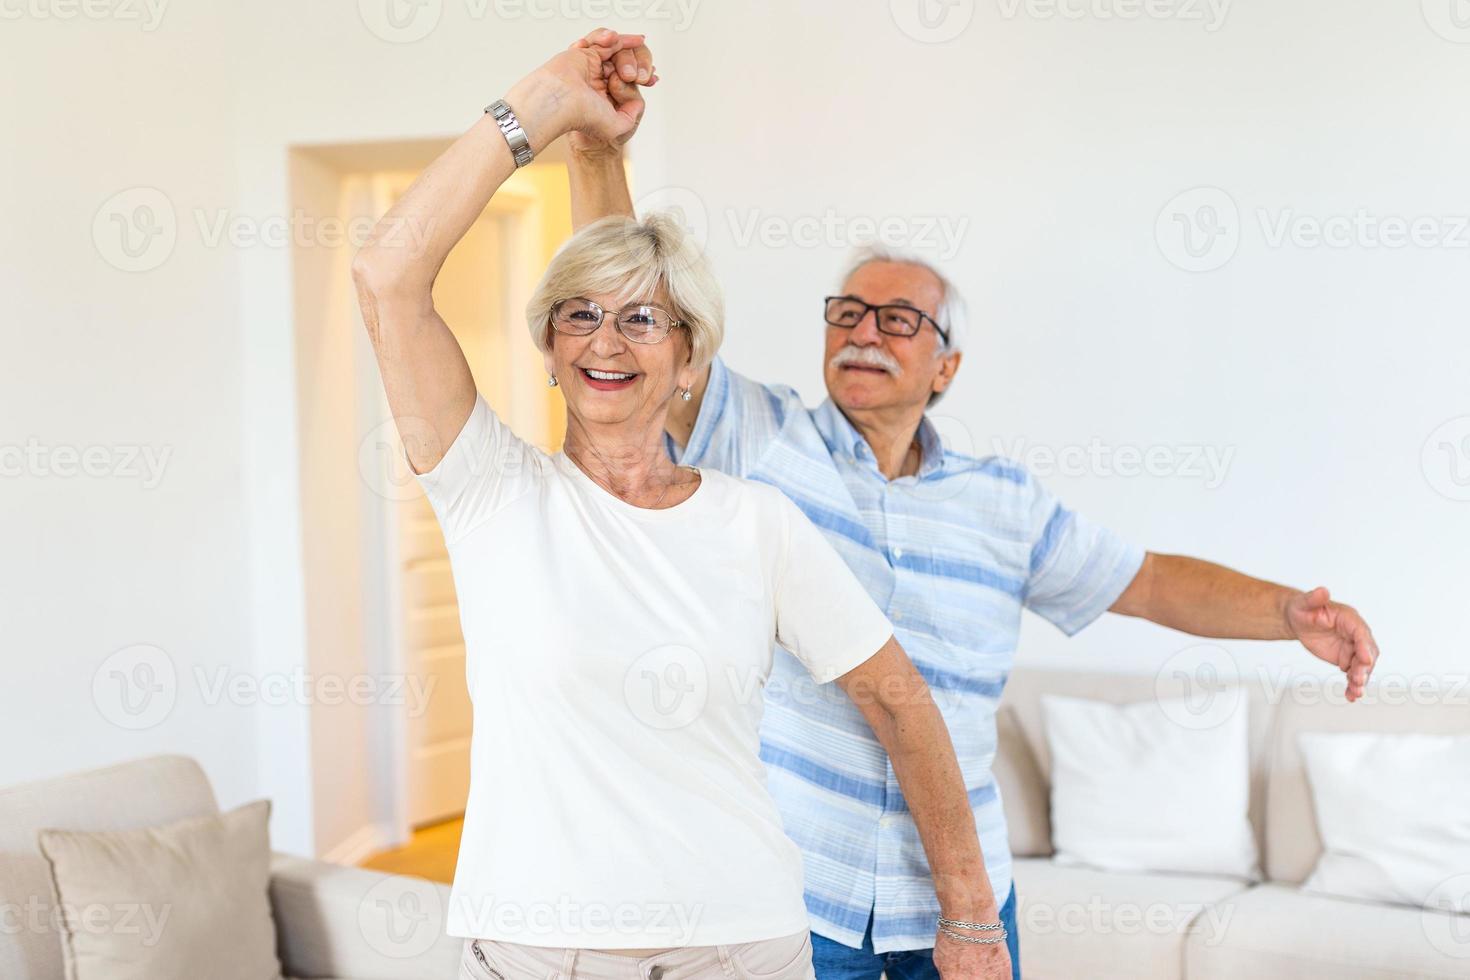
(923, 759)
(599, 187)
(1206, 599)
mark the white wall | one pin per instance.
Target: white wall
(1055, 143)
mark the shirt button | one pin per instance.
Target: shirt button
(897, 552)
(896, 616)
(887, 822)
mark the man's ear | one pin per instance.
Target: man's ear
(947, 370)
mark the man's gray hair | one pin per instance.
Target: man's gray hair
(951, 314)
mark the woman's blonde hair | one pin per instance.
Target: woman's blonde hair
(631, 260)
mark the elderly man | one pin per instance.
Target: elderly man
(953, 547)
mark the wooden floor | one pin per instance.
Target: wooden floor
(431, 854)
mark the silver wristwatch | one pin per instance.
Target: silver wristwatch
(510, 128)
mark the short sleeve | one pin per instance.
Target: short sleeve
(824, 616)
(738, 419)
(1078, 568)
(486, 467)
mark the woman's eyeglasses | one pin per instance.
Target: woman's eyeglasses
(579, 317)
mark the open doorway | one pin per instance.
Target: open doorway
(382, 615)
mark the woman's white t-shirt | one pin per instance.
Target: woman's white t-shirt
(616, 657)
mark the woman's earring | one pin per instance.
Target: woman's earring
(551, 381)
(686, 394)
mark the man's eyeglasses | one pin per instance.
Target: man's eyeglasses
(894, 319)
(640, 324)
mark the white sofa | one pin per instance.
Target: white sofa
(1082, 923)
(331, 921)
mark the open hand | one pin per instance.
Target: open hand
(1334, 632)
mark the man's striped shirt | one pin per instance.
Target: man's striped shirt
(952, 555)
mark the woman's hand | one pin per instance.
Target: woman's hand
(627, 67)
(573, 92)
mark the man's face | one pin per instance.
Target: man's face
(868, 369)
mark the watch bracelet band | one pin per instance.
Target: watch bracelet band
(510, 128)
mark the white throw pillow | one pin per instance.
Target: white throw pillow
(1134, 790)
(1393, 812)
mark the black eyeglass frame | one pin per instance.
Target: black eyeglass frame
(602, 314)
(877, 311)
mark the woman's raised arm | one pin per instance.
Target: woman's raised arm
(430, 389)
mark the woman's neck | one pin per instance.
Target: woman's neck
(629, 463)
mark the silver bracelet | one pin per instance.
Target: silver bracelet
(976, 940)
(962, 924)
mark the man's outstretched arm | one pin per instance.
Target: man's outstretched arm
(1206, 599)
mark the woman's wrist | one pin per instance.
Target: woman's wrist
(540, 102)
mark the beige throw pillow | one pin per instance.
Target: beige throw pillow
(179, 902)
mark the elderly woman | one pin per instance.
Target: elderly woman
(620, 612)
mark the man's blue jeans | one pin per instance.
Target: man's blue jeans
(834, 961)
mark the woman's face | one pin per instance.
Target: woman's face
(645, 375)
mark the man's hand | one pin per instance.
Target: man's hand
(956, 960)
(1335, 633)
(626, 66)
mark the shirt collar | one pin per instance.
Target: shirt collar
(842, 436)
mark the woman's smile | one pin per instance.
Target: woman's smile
(608, 380)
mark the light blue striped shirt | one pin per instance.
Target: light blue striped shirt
(951, 555)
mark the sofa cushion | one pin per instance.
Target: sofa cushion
(181, 900)
(1192, 673)
(1080, 922)
(336, 921)
(1134, 790)
(1293, 845)
(1022, 788)
(134, 794)
(1277, 931)
(1396, 842)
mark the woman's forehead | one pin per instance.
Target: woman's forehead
(629, 297)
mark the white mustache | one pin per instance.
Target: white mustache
(864, 357)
